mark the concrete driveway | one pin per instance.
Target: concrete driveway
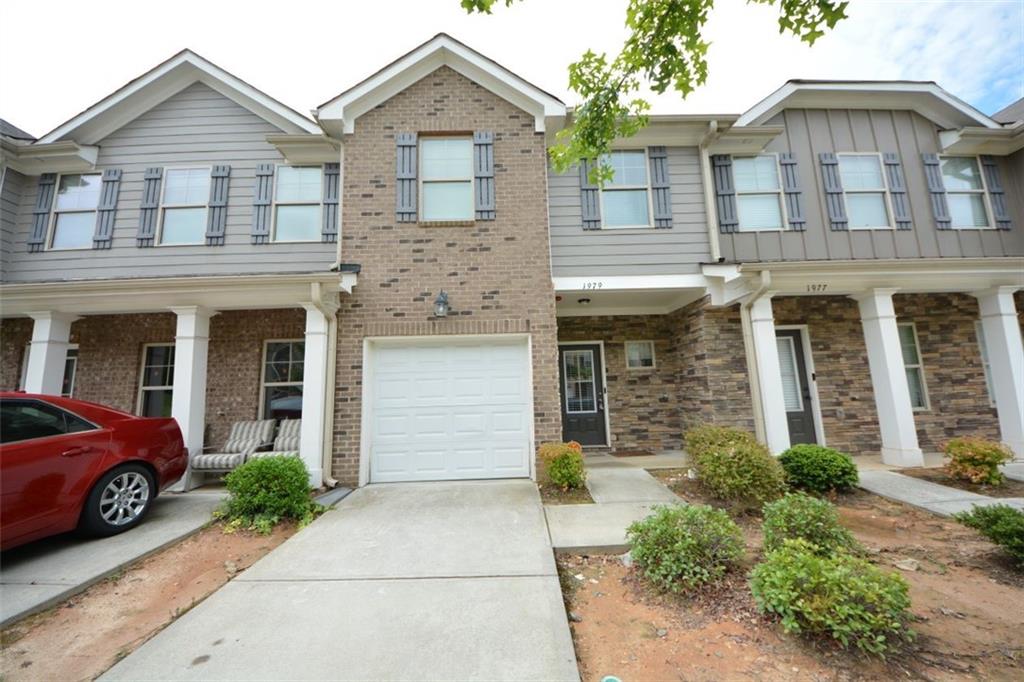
(418, 581)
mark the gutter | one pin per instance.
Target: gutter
(753, 373)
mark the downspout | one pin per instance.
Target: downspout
(341, 203)
(710, 210)
(753, 371)
(326, 437)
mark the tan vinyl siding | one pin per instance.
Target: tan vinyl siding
(677, 250)
(195, 127)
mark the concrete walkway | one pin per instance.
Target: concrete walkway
(40, 574)
(420, 581)
(936, 498)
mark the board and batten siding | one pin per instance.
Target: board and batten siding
(14, 185)
(671, 251)
(195, 127)
(809, 132)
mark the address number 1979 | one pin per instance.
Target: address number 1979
(592, 285)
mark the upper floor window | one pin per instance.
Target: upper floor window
(186, 193)
(865, 191)
(625, 199)
(758, 193)
(446, 178)
(298, 193)
(965, 191)
(74, 221)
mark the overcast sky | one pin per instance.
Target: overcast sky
(68, 55)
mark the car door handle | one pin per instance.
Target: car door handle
(75, 452)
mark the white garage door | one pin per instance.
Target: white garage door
(449, 410)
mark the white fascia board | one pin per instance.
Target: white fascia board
(629, 282)
(56, 157)
(977, 140)
(303, 148)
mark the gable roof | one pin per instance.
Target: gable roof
(339, 114)
(14, 132)
(923, 97)
(1012, 113)
(168, 78)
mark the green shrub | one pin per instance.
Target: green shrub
(265, 491)
(1000, 523)
(841, 596)
(681, 547)
(818, 469)
(740, 471)
(707, 437)
(566, 470)
(976, 460)
(800, 516)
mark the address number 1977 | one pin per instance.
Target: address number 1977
(817, 287)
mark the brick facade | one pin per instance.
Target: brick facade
(496, 272)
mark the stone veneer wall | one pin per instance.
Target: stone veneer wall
(497, 272)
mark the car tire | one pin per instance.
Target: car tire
(119, 501)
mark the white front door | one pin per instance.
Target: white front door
(449, 409)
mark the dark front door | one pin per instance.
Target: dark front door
(796, 389)
(582, 392)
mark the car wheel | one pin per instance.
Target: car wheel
(119, 501)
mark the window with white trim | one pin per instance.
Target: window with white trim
(986, 363)
(156, 380)
(865, 191)
(758, 185)
(626, 198)
(446, 179)
(67, 389)
(186, 193)
(912, 364)
(298, 194)
(965, 192)
(639, 354)
(281, 391)
(792, 396)
(74, 211)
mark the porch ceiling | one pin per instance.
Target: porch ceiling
(624, 302)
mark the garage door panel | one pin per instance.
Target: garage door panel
(508, 459)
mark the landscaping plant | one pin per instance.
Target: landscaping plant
(976, 459)
(1000, 523)
(800, 516)
(707, 437)
(266, 491)
(681, 547)
(818, 469)
(841, 596)
(563, 464)
(741, 471)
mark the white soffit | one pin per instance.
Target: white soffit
(976, 140)
(339, 114)
(172, 76)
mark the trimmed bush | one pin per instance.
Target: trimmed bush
(266, 491)
(707, 437)
(740, 471)
(976, 460)
(818, 469)
(1000, 523)
(841, 596)
(681, 547)
(800, 516)
(562, 464)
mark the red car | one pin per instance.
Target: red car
(67, 464)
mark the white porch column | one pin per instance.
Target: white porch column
(314, 393)
(48, 352)
(889, 379)
(1006, 361)
(769, 375)
(188, 400)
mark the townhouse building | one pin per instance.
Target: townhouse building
(840, 264)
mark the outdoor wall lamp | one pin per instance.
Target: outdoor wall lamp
(441, 307)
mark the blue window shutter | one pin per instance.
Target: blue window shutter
(483, 175)
(937, 191)
(996, 194)
(661, 190)
(217, 215)
(41, 213)
(725, 194)
(590, 199)
(332, 176)
(897, 190)
(405, 178)
(149, 207)
(262, 198)
(107, 209)
(834, 200)
(791, 190)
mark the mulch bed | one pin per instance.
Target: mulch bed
(1008, 488)
(552, 494)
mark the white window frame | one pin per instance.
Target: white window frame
(986, 200)
(986, 362)
(640, 368)
(263, 372)
(164, 206)
(74, 374)
(783, 213)
(919, 366)
(791, 342)
(55, 212)
(420, 180)
(275, 203)
(609, 187)
(884, 190)
(142, 375)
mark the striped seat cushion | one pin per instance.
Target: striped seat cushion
(288, 435)
(217, 462)
(282, 453)
(247, 436)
